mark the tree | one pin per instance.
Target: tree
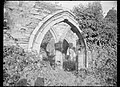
(111, 15)
(90, 19)
(101, 38)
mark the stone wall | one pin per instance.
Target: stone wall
(23, 17)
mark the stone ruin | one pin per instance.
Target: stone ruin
(35, 23)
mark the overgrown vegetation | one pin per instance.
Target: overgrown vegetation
(69, 65)
(22, 68)
(13, 63)
(101, 37)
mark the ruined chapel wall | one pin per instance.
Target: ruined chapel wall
(23, 17)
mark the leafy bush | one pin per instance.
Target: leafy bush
(69, 65)
(9, 50)
(112, 15)
(15, 60)
(13, 63)
(101, 38)
(27, 67)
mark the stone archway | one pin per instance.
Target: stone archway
(47, 23)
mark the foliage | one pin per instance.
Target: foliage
(97, 29)
(112, 16)
(101, 38)
(19, 66)
(15, 60)
(13, 63)
(69, 65)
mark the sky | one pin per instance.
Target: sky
(106, 5)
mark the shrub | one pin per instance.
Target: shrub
(14, 62)
(69, 65)
(101, 36)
